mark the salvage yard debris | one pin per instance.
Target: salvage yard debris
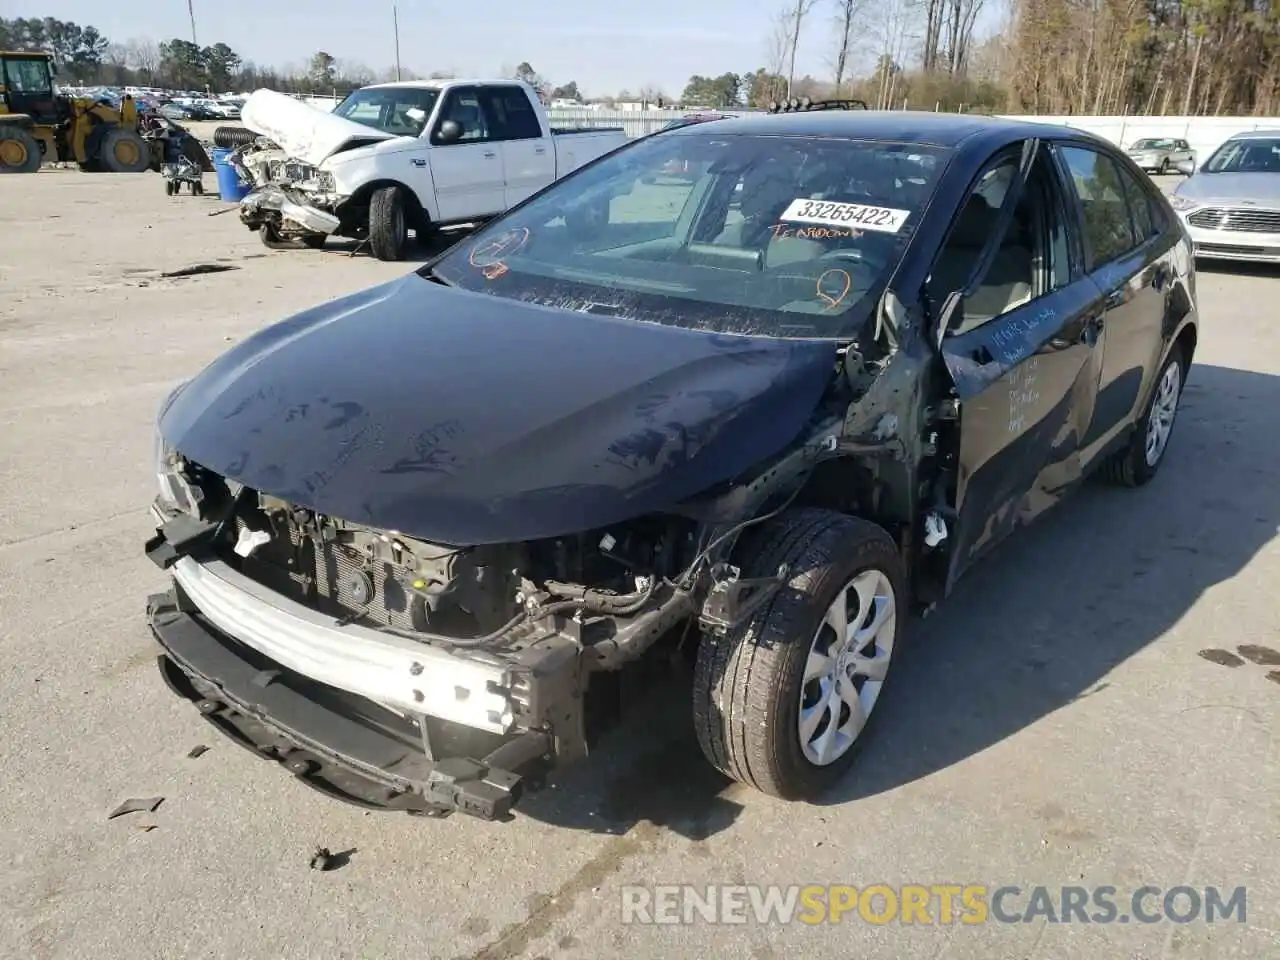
(135, 805)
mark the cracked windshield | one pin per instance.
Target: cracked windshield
(791, 237)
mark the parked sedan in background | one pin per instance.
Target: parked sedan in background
(1231, 205)
(1160, 154)
(413, 531)
(172, 111)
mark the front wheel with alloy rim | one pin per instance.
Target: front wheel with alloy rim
(19, 151)
(784, 701)
(1138, 462)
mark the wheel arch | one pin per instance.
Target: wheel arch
(419, 216)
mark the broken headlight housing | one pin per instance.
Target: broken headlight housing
(174, 490)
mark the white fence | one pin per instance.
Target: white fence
(1204, 134)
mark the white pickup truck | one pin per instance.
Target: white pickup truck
(396, 157)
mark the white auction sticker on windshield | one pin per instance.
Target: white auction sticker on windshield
(831, 213)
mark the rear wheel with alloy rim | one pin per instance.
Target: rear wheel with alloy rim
(1138, 462)
(784, 701)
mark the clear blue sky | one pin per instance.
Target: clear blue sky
(605, 45)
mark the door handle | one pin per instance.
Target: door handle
(1115, 298)
(489, 154)
(540, 150)
(1088, 335)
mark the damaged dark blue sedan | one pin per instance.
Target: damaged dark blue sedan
(754, 414)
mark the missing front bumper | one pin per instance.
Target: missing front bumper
(341, 744)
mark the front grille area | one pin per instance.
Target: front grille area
(320, 575)
(1232, 250)
(1237, 219)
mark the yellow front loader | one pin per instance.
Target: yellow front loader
(38, 125)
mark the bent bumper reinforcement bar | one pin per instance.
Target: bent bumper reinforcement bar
(343, 745)
(402, 673)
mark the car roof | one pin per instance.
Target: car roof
(1255, 135)
(906, 126)
(439, 82)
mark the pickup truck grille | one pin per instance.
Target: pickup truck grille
(321, 574)
(1237, 219)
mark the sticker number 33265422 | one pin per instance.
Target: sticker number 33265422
(833, 214)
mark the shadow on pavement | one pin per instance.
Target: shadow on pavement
(1238, 268)
(418, 251)
(1033, 628)
(1041, 623)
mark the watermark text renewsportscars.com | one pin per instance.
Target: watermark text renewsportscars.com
(929, 904)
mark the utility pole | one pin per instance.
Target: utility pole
(191, 11)
(395, 21)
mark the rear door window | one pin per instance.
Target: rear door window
(1144, 227)
(512, 113)
(1108, 227)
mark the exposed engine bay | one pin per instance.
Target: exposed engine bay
(291, 198)
(468, 594)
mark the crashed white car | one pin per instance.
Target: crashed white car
(397, 157)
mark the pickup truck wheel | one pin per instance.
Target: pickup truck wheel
(783, 702)
(1138, 462)
(388, 225)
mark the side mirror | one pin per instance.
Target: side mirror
(449, 132)
(1185, 167)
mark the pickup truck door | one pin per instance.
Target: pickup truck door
(1020, 348)
(468, 172)
(528, 153)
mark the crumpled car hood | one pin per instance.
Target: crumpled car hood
(464, 418)
(302, 131)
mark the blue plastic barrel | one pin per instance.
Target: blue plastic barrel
(230, 186)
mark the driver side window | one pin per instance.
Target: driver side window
(1031, 260)
(464, 107)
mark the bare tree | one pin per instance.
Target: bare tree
(144, 56)
(794, 20)
(779, 43)
(896, 25)
(848, 13)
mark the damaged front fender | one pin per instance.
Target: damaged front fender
(274, 202)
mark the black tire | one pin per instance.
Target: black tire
(1130, 467)
(124, 151)
(233, 137)
(1164, 167)
(388, 224)
(748, 684)
(170, 188)
(19, 151)
(197, 189)
(272, 240)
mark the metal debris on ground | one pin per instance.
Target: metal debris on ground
(197, 750)
(322, 859)
(136, 805)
